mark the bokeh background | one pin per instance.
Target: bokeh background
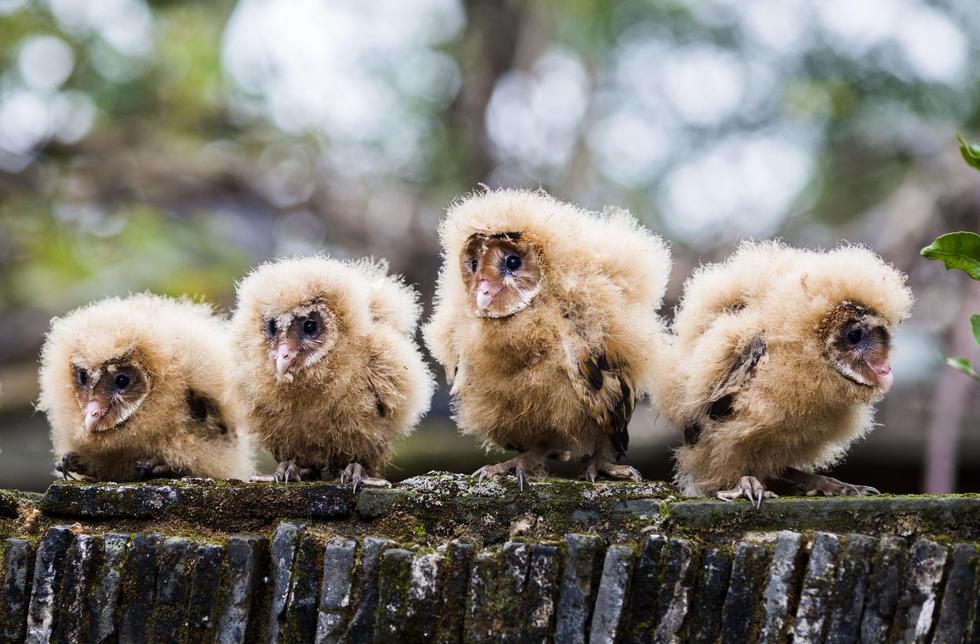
(171, 144)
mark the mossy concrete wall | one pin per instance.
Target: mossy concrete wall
(444, 558)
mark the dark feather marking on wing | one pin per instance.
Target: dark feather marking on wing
(205, 411)
(692, 433)
(721, 405)
(621, 415)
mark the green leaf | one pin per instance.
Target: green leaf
(962, 364)
(957, 250)
(975, 323)
(971, 153)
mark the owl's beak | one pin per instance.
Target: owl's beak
(883, 372)
(485, 294)
(94, 411)
(285, 357)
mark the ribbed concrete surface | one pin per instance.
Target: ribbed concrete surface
(303, 585)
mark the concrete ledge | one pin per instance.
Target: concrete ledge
(442, 558)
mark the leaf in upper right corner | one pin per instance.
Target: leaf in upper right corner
(957, 250)
(971, 153)
(962, 364)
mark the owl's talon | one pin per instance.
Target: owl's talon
(818, 485)
(70, 465)
(523, 467)
(354, 475)
(749, 487)
(288, 471)
(592, 467)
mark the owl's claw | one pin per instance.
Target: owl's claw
(288, 471)
(749, 487)
(818, 485)
(522, 467)
(592, 467)
(354, 475)
(72, 467)
(156, 468)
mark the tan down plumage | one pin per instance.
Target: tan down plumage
(175, 416)
(784, 353)
(547, 357)
(330, 401)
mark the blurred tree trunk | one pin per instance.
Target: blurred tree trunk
(952, 394)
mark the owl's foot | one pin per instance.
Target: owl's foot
(354, 475)
(288, 471)
(819, 485)
(592, 467)
(73, 467)
(749, 487)
(156, 468)
(521, 466)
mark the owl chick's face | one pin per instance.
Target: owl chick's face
(502, 273)
(109, 393)
(299, 338)
(857, 343)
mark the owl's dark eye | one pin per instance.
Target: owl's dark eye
(513, 262)
(310, 327)
(82, 377)
(854, 336)
(472, 264)
(122, 381)
(270, 327)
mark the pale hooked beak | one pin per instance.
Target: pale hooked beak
(94, 411)
(285, 357)
(885, 376)
(485, 294)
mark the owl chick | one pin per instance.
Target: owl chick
(545, 321)
(329, 372)
(136, 388)
(784, 353)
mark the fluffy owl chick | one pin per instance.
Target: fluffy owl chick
(784, 351)
(137, 388)
(329, 372)
(545, 321)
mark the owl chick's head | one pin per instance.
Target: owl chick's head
(502, 273)
(291, 313)
(857, 342)
(848, 301)
(101, 363)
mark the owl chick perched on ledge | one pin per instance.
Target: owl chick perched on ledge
(136, 388)
(329, 373)
(785, 351)
(545, 321)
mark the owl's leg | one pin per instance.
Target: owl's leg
(749, 487)
(818, 485)
(355, 475)
(73, 467)
(156, 468)
(526, 464)
(288, 471)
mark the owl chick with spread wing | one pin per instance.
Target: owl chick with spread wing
(545, 321)
(329, 372)
(783, 354)
(137, 388)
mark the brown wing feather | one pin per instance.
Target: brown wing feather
(739, 375)
(609, 395)
(206, 413)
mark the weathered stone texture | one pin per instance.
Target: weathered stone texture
(495, 567)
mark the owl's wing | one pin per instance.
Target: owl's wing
(206, 414)
(605, 388)
(738, 376)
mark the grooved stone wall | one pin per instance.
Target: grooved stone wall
(441, 558)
